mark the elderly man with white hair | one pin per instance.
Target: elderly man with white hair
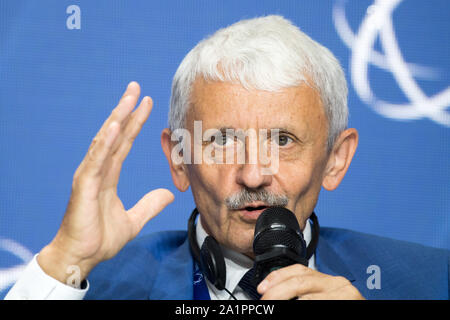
(257, 75)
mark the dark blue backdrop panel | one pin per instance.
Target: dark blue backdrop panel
(57, 85)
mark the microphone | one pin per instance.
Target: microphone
(278, 242)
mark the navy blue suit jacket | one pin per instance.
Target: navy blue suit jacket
(160, 266)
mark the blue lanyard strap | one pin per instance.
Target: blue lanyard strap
(200, 288)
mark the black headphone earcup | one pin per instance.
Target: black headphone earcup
(213, 262)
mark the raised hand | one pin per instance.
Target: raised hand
(96, 225)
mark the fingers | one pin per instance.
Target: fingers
(281, 274)
(133, 127)
(124, 108)
(101, 150)
(148, 207)
(95, 159)
(298, 281)
(125, 141)
(294, 287)
(289, 282)
(102, 145)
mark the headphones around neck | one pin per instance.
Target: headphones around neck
(210, 257)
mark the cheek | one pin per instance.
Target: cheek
(203, 181)
(301, 181)
(302, 167)
(238, 236)
(294, 176)
(210, 185)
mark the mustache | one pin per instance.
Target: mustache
(246, 196)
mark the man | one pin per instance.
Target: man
(259, 74)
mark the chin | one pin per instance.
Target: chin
(242, 242)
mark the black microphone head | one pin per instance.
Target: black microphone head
(278, 242)
(278, 227)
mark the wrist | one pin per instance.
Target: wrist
(62, 266)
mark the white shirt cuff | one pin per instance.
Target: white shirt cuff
(35, 284)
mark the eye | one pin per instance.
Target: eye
(222, 140)
(282, 140)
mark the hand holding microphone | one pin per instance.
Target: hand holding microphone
(281, 259)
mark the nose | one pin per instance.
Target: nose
(252, 177)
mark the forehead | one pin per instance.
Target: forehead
(228, 105)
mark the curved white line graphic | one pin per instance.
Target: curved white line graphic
(10, 275)
(378, 22)
(376, 58)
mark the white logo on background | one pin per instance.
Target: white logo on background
(374, 280)
(378, 23)
(10, 275)
(74, 20)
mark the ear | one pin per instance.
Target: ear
(178, 170)
(340, 158)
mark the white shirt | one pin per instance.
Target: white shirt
(35, 284)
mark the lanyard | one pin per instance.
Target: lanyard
(200, 288)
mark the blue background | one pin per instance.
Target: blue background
(58, 85)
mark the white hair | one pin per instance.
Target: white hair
(266, 53)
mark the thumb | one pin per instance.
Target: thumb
(148, 207)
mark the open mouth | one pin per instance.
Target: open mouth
(255, 208)
(251, 212)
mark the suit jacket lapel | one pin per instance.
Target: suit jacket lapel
(329, 262)
(174, 279)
